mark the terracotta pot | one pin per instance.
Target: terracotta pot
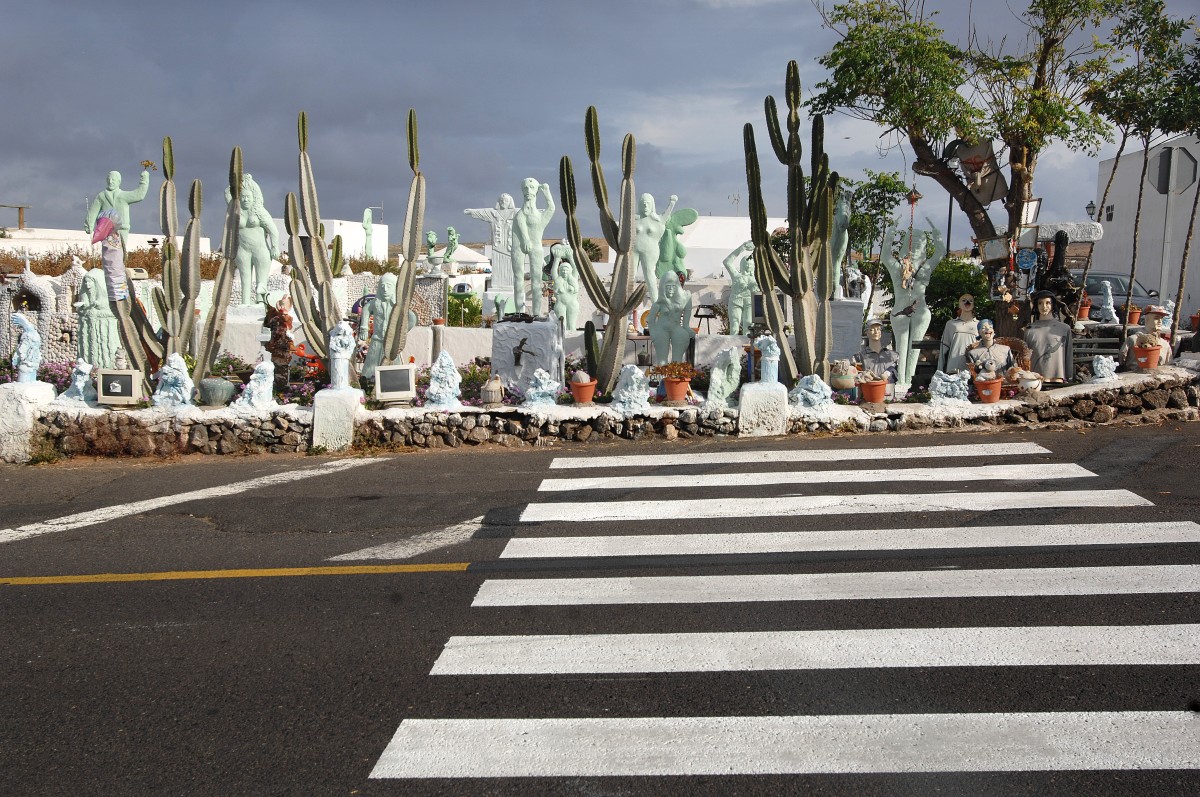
(1146, 356)
(1135, 316)
(873, 392)
(583, 392)
(437, 322)
(989, 391)
(676, 388)
(1084, 311)
(1196, 322)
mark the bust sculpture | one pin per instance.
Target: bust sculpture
(874, 356)
(258, 241)
(341, 347)
(528, 227)
(987, 354)
(1049, 341)
(959, 336)
(114, 199)
(650, 227)
(742, 287)
(769, 365)
(27, 357)
(175, 386)
(373, 322)
(669, 333)
(910, 275)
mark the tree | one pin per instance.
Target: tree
(893, 66)
(1181, 114)
(871, 208)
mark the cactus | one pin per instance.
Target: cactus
(312, 279)
(807, 277)
(619, 300)
(214, 325)
(175, 300)
(591, 348)
(414, 218)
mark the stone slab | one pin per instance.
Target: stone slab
(847, 322)
(19, 404)
(762, 409)
(543, 348)
(333, 418)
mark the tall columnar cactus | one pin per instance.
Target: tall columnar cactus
(214, 325)
(414, 218)
(312, 278)
(176, 299)
(807, 276)
(622, 297)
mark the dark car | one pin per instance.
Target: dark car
(1120, 285)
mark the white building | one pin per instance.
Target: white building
(354, 237)
(1171, 185)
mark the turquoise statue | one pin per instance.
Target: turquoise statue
(27, 357)
(769, 364)
(259, 393)
(175, 386)
(430, 244)
(671, 251)
(451, 245)
(910, 277)
(725, 378)
(839, 241)
(114, 199)
(542, 391)
(670, 314)
(97, 337)
(445, 384)
(742, 287)
(258, 242)
(528, 228)
(500, 220)
(341, 348)
(373, 322)
(566, 285)
(368, 234)
(649, 231)
(632, 393)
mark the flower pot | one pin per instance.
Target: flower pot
(1030, 383)
(215, 391)
(1083, 313)
(1196, 322)
(873, 392)
(1146, 356)
(1135, 316)
(676, 389)
(438, 322)
(988, 391)
(841, 381)
(583, 392)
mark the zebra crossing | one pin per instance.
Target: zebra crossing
(1000, 739)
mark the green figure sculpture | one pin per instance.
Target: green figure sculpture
(113, 198)
(258, 242)
(368, 234)
(670, 251)
(649, 231)
(373, 322)
(742, 287)
(451, 245)
(839, 241)
(669, 331)
(528, 226)
(566, 285)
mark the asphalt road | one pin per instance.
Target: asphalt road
(236, 655)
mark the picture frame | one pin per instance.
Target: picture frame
(1027, 236)
(994, 249)
(1030, 210)
(118, 387)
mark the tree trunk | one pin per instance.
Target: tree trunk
(1021, 162)
(1137, 225)
(1187, 250)
(929, 164)
(1103, 198)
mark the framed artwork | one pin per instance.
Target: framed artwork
(992, 249)
(1027, 236)
(1030, 210)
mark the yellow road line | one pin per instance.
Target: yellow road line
(276, 572)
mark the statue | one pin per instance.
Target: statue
(566, 285)
(445, 384)
(811, 393)
(725, 377)
(528, 226)
(258, 241)
(649, 231)
(500, 219)
(742, 287)
(341, 347)
(81, 390)
(114, 199)
(671, 251)
(451, 245)
(175, 386)
(1150, 336)
(1104, 370)
(669, 315)
(27, 357)
(98, 338)
(542, 391)
(278, 320)
(910, 277)
(632, 393)
(1108, 310)
(947, 388)
(368, 234)
(769, 368)
(858, 284)
(373, 322)
(259, 393)
(839, 241)
(988, 355)
(1049, 341)
(874, 356)
(112, 255)
(959, 335)
(1166, 322)
(430, 243)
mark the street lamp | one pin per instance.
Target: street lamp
(1091, 209)
(951, 161)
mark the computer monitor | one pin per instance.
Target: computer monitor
(118, 386)
(396, 382)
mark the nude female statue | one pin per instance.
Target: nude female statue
(650, 227)
(528, 226)
(258, 241)
(742, 287)
(910, 277)
(669, 332)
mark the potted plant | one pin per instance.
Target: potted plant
(1133, 314)
(1147, 348)
(988, 390)
(583, 387)
(872, 387)
(1196, 321)
(1085, 308)
(676, 377)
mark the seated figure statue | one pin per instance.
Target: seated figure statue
(1151, 335)
(174, 384)
(987, 354)
(876, 357)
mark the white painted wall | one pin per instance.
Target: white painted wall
(47, 241)
(354, 238)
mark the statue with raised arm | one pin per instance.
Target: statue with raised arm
(566, 284)
(368, 234)
(373, 322)
(528, 226)
(910, 275)
(742, 287)
(839, 241)
(650, 227)
(113, 198)
(669, 315)
(671, 251)
(27, 357)
(258, 241)
(500, 220)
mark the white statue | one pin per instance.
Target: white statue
(811, 393)
(725, 377)
(1108, 311)
(910, 277)
(649, 232)
(175, 386)
(542, 391)
(1104, 370)
(258, 241)
(445, 384)
(566, 285)
(528, 227)
(81, 389)
(373, 322)
(259, 393)
(341, 347)
(769, 367)
(742, 287)
(27, 357)
(669, 316)
(947, 388)
(500, 219)
(632, 393)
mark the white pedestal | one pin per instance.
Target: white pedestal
(243, 328)
(333, 418)
(762, 409)
(19, 405)
(846, 316)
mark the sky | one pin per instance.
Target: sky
(500, 88)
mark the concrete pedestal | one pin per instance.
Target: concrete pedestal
(19, 405)
(333, 418)
(243, 330)
(762, 409)
(541, 344)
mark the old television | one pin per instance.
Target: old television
(118, 387)
(396, 382)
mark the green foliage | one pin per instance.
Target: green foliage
(950, 280)
(871, 208)
(467, 312)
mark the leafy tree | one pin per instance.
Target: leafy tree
(872, 207)
(1181, 114)
(893, 66)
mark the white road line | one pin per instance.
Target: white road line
(840, 586)
(1012, 742)
(105, 514)
(820, 650)
(778, 506)
(421, 543)
(950, 475)
(830, 455)
(852, 540)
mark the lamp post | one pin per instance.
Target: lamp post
(1091, 209)
(951, 161)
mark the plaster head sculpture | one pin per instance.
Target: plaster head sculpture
(645, 204)
(505, 202)
(114, 180)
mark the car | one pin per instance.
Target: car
(1120, 287)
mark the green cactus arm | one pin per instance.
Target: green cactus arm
(627, 232)
(168, 213)
(214, 325)
(771, 112)
(158, 298)
(608, 224)
(302, 298)
(414, 219)
(414, 154)
(587, 270)
(397, 329)
(189, 268)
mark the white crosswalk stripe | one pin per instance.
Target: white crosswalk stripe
(999, 740)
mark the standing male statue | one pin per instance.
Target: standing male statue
(500, 219)
(368, 234)
(650, 228)
(113, 198)
(528, 226)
